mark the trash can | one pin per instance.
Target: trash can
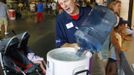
(12, 14)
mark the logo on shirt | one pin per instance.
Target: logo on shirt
(69, 25)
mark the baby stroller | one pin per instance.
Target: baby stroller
(14, 62)
(23, 47)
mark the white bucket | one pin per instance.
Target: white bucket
(64, 61)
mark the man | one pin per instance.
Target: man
(3, 16)
(68, 22)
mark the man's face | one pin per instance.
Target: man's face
(68, 5)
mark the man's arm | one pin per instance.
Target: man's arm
(60, 39)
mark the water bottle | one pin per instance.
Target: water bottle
(95, 29)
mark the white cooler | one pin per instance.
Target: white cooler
(64, 61)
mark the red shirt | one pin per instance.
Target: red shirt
(75, 17)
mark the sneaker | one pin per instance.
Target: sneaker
(6, 33)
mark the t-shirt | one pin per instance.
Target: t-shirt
(40, 7)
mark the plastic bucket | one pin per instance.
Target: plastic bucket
(64, 61)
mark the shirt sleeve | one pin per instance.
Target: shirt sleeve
(60, 36)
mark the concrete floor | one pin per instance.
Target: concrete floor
(43, 35)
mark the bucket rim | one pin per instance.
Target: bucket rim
(70, 49)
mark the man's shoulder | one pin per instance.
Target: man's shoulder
(61, 15)
(86, 8)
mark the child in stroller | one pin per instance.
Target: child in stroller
(37, 60)
(12, 61)
(23, 47)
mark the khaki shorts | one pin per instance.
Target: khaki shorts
(3, 21)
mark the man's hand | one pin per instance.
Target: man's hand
(73, 45)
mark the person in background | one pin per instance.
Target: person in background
(32, 7)
(40, 9)
(20, 5)
(110, 51)
(115, 6)
(26, 3)
(49, 8)
(118, 33)
(83, 4)
(3, 16)
(126, 31)
(116, 41)
(53, 5)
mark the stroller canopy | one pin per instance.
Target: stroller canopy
(23, 39)
(5, 44)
